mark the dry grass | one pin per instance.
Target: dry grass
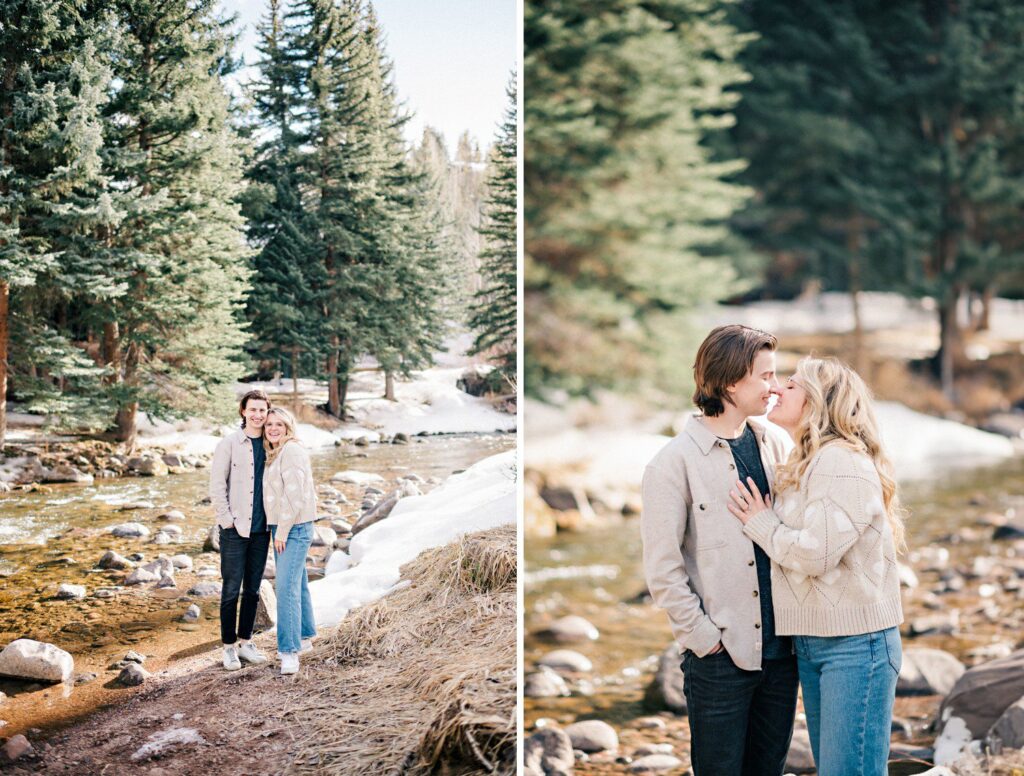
(1009, 763)
(424, 680)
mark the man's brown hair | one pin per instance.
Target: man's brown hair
(724, 358)
(262, 396)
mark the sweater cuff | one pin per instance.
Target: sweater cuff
(703, 638)
(760, 527)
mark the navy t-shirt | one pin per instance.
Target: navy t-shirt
(259, 514)
(748, 464)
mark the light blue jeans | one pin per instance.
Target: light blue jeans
(849, 686)
(294, 606)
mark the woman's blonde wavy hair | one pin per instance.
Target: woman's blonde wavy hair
(289, 434)
(839, 409)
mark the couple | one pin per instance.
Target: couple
(776, 568)
(261, 486)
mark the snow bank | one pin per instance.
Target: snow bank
(190, 437)
(482, 497)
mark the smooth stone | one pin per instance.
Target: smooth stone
(572, 628)
(67, 473)
(130, 530)
(160, 566)
(593, 735)
(545, 684)
(111, 560)
(927, 671)
(140, 577)
(354, 477)
(341, 526)
(935, 624)
(17, 747)
(266, 606)
(907, 577)
(566, 660)
(85, 678)
(183, 562)
(1008, 531)
(132, 675)
(135, 657)
(104, 592)
(29, 659)
(69, 592)
(208, 571)
(148, 467)
(212, 541)
(650, 723)
(1010, 726)
(324, 536)
(175, 515)
(133, 505)
(159, 743)
(172, 530)
(161, 538)
(548, 751)
(654, 763)
(800, 758)
(666, 689)
(192, 614)
(646, 749)
(205, 589)
(376, 513)
(166, 581)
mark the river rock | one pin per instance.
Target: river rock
(173, 460)
(1009, 728)
(907, 577)
(28, 659)
(983, 693)
(132, 675)
(66, 473)
(173, 531)
(1008, 531)
(70, 592)
(800, 758)
(376, 513)
(208, 571)
(266, 607)
(111, 560)
(270, 568)
(545, 683)
(653, 763)
(17, 747)
(166, 581)
(205, 589)
(192, 614)
(666, 689)
(408, 489)
(161, 538)
(134, 657)
(147, 466)
(323, 536)
(131, 506)
(212, 542)
(160, 566)
(129, 530)
(566, 660)
(174, 515)
(548, 752)
(183, 562)
(592, 735)
(141, 577)
(943, 623)
(162, 742)
(85, 678)
(567, 630)
(928, 671)
(353, 477)
(341, 526)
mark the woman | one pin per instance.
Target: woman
(832, 536)
(290, 501)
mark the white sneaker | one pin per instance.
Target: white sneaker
(307, 646)
(231, 658)
(289, 663)
(250, 654)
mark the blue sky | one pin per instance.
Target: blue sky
(452, 59)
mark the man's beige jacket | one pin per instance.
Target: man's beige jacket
(698, 563)
(232, 482)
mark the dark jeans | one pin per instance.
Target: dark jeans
(242, 562)
(741, 722)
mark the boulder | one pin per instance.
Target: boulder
(205, 589)
(160, 566)
(548, 752)
(1009, 728)
(173, 460)
(28, 659)
(928, 671)
(376, 513)
(476, 380)
(111, 560)
(666, 689)
(800, 758)
(266, 607)
(566, 661)
(70, 592)
(544, 683)
(593, 735)
(212, 542)
(132, 675)
(141, 577)
(983, 693)
(567, 630)
(129, 530)
(147, 466)
(324, 536)
(66, 473)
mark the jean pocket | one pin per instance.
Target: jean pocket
(893, 649)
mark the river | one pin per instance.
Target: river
(57, 533)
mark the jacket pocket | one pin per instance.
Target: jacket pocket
(712, 528)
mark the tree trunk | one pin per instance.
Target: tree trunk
(334, 404)
(295, 375)
(983, 321)
(125, 421)
(343, 395)
(5, 291)
(853, 247)
(951, 342)
(389, 385)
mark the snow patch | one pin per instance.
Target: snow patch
(161, 741)
(482, 497)
(952, 743)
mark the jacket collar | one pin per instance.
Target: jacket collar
(241, 438)
(706, 438)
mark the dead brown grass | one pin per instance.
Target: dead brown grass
(435, 689)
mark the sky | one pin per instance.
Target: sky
(452, 58)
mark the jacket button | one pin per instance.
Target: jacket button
(750, 563)
(701, 507)
(732, 466)
(723, 444)
(757, 625)
(755, 592)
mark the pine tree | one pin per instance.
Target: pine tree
(625, 205)
(493, 315)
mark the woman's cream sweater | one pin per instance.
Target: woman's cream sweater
(289, 495)
(833, 557)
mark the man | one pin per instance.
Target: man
(236, 491)
(740, 678)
